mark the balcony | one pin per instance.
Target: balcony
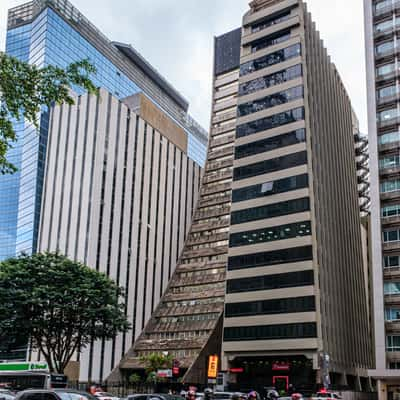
(386, 147)
(227, 151)
(216, 188)
(208, 239)
(387, 100)
(212, 213)
(201, 226)
(215, 292)
(392, 299)
(205, 252)
(392, 326)
(225, 128)
(217, 176)
(388, 123)
(204, 279)
(212, 166)
(390, 195)
(224, 117)
(391, 273)
(395, 170)
(221, 141)
(215, 200)
(392, 220)
(393, 356)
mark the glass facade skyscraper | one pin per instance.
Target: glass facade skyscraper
(55, 33)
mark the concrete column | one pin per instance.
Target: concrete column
(382, 390)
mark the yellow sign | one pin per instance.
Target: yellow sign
(212, 366)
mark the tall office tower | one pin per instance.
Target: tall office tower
(118, 194)
(296, 307)
(188, 321)
(381, 24)
(44, 32)
(296, 299)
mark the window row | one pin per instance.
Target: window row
(391, 236)
(271, 59)
(270, 211)
(392, 314)
(276, 78)
(198, 302)
(391, 288)
(384, 48)
(284, 256)
(389, 137)
(268, 307)
(188, 318)
(391, 261)
(271, 188)
(269, 282)
(178, 335)
(390, 186)
(198, 288)
(283, 232)
(272, 100)
(391, 211)
(265, 23)
(270, 40)
(392, 343)
(271, 332)
(274, 121)
(391, 161)
(387, 115)
(272, 143)
(387, 25)
(272, 165)
(387, 91)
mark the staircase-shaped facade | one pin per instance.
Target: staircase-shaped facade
(188, 320)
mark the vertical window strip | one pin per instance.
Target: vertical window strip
(148, 227)
(139, 233)
(132, 199)
(172, 213)
(186, 196)
(71, 183)
(178, 230)
(63, 177)
(54, 174)
(92, 167)
(164, 242)
(77, 239)
(156, 230)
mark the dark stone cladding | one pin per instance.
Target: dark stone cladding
(227, 51)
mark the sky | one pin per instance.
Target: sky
(176, 37)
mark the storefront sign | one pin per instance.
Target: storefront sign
(280, 366)
(236, 370)
(212, 367)
(164, 373)
(29, 366)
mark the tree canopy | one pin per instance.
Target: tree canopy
(61, 305)
(25, 88)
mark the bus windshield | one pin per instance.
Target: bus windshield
(25, 381)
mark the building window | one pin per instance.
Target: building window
(271, 332)
(385, 69)
(388, 91)
(391, 211)
(391, 288)
(394, 365)
(284, 256)
(270, 40)
(271, 80)
(385, 25)
(267, 166)
(271, 59)
(271, 188)
(263, 124)
(265, 23)
(289, 231)
(391, 161)
(390, 137)
(270, 211)
(269, 307)
(390, 186)
(391, 236)
(392, 314)
(392, 343)
(384, 48)
(382, 4)
(387, 115)
(391, 261)
(272, 100)
(269, 282)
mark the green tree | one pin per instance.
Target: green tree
(61, 305)
(153, 362)
(25, 88)
(134, 379)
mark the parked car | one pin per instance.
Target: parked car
(326, 396)
(70, 394)
(6, 394)
(105, 396)
(38, 394)
(154, 396)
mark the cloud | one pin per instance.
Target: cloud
(177, 38)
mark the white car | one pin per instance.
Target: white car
(105, 396)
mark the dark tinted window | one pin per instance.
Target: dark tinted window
(275, 142)
(270, 210)
(268, 307)
(274, 164)
(271, 332)
(270, 40)
(265, 23)
(271, 122)
(271, 59)
(270, 188)
(294, 254)
(267, 81)
(270, 234)
(267, 282)
(271, 100)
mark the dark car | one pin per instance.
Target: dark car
(154, 396)
(56, 394)
(70, 394)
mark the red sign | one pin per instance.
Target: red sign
(236, 370)
(280, 367)
(175, 370)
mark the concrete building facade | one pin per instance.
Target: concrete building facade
(118, 195)
(290, 251)
(381, 25)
